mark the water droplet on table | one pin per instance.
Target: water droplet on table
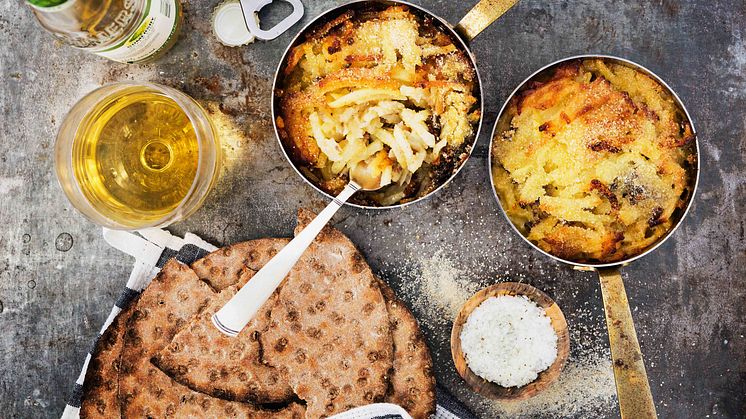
(63, 242)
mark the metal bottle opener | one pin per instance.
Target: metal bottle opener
(251, 7)
(236, 23)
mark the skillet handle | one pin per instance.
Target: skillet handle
(632, 387)
(481, 16)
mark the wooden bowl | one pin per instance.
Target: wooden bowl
(546, 377)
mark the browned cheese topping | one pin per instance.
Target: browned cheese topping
(594, 163)
(383, 87)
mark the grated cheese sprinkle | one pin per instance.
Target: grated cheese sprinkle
(509, 340)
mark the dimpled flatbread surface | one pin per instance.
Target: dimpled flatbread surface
(205, 360)
(199, 353)
(101, 385)
(224, 267)
(174, 297)
(412, 382)
(330, 330)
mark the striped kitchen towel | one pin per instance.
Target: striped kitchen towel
(152, 248)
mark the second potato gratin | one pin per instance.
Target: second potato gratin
(381, 86)
(593, 163)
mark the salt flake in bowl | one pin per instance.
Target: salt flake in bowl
(509, 341)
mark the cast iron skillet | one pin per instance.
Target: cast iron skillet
(475, 21)
(633, 390)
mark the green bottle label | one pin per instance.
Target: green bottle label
(153, 32)
(45, 3)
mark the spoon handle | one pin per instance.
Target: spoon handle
(240, 309)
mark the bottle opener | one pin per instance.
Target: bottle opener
(252, 7)
(236, 23)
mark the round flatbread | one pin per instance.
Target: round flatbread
(205, 360)
(228, 265)
(167, 304)
(101, 384)
(412, 382)
(333, 334)
(329, 329)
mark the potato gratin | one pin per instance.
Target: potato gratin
(594, 163)
(383, 87)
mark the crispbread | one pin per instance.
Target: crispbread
(327, 330)
(224, 267)
(205, 360)
(330, 330)
(101, 385)
(173, 297)
(412, 382)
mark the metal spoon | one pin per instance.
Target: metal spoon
(237, 312)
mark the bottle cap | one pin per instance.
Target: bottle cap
(229, 26)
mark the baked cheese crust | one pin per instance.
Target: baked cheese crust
(382, 86)
(593, 164)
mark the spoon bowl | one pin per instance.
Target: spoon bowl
(366, 176)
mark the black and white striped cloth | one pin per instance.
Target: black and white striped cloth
(152, 248)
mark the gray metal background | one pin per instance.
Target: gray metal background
(688, 297)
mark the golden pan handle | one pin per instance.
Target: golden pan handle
(481, 16)
(632, 387)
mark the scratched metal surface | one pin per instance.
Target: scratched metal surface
(58, 278)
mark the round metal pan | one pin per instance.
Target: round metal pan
(479, 18)
(635, 399)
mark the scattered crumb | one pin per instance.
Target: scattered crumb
(586, 386)
(442, 287)
(437, 284)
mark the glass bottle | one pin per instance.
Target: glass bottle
(127, 31)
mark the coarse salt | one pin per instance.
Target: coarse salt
(509, 340)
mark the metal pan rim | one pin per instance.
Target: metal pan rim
(664, 238)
